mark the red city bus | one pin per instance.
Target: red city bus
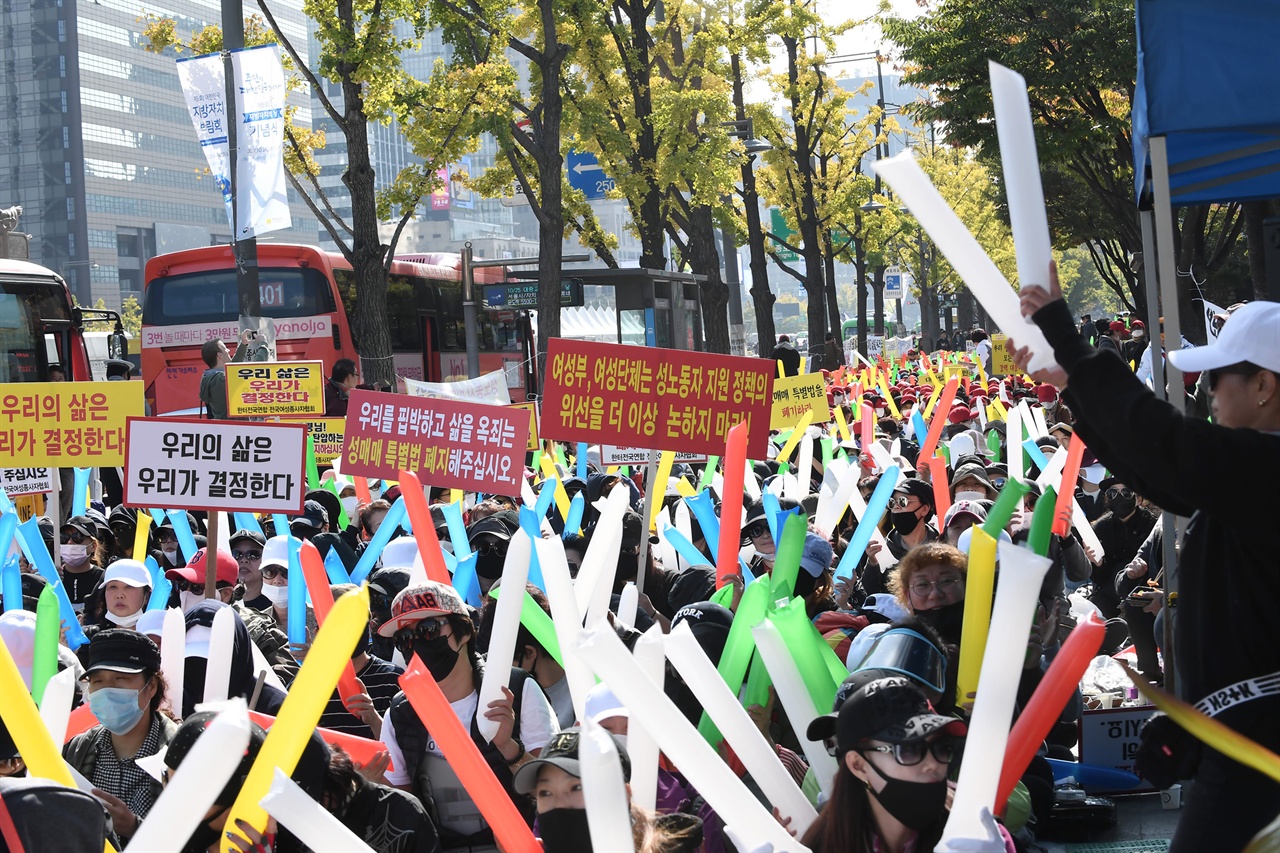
(40, 327)
(191, 297)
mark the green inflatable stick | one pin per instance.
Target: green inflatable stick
(758, 683)
(708, 472)
(1009, 501)
(313, 473)
(993, 444)
(738, 647)
(723, 596)
(44, 661)
(787, 560)
(1042, 522)
(332, 486)
(536, 620)
(805, 644)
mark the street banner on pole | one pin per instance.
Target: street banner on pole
(661, 399)
(204, 85)
(186, 463)
(262, 204)
(66, 424)
(284, 388)
(449, 443)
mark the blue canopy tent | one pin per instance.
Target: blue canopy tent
(1206, 117)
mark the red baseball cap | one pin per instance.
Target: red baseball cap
(228, 570)
(959, 414)
(1046, 393)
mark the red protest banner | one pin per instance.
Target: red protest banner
(656, 398)
(449, 443)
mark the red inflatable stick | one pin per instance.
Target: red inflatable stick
(82, 719)
(424, 531)
(868, 424)
(735, 468)
(941, 488)
(939, 419)
(363, 496)
(361, 749)
(1060, 679)
(509, 829)
(322, 603)
(1067, 488)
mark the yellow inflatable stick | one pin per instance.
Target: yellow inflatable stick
(549, 473)
(796, 434)
(328, 657)
(665, 461)
(979, 586)
(140, 537)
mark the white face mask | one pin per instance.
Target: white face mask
(349, 506)
(75, 555)
(126, 621)
(277, 595)
(170, 554)
(189, 600)
(968, 495)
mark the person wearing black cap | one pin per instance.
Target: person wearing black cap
(125, 691)
(890, 790)
(910, 508)
(314, 526)
(1121, 530)
(554, 781)
(81, 568)
(489, 538)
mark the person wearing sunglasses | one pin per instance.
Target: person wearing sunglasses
(1121, 529)
(430, 621)
(81, 560)
(890, 791)
(1228, 595)
(246, 550)
(188, 581)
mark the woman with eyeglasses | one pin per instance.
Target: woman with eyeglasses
(890, 793)
(929, 583)
(82, 558)
(1228, 589)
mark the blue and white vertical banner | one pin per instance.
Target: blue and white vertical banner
(262, 204)
(204, 84)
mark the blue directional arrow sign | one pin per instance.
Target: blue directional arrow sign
(586, 174)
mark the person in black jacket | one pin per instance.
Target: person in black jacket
(1229, 591)
(1121, 530)
(786, 353)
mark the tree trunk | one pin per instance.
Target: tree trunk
(714, 293)
(550, 175)
(964, 309)
(762, 297)
(1254, 213)
(860, 267)
(833, 299)
(372, 329)
(877, 297)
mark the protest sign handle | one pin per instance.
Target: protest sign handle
(211, 557)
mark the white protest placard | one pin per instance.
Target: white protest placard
(611, 454)
(187, 463)
(204, 85)
(490, 388)
(1109, 737)
(26, 481)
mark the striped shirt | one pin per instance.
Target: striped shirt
(122, 777)
(381, 682)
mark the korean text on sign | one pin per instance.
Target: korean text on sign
(326, 436)
(448, 443)
(285, 388)
(795, 395)
(66, 424)
(26, 481)
(215, 465)
(656, 398)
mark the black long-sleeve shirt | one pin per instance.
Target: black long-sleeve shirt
(1226, 480)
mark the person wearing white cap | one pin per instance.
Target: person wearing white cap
(1224, 647)
(126, 586)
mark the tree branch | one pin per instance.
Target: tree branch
(316, 86)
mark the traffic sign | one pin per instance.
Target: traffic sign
(778, 225)
(586, 174)
(893, 283)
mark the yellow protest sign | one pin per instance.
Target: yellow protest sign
(795, 395)
(1001, 362)
(284, 388)
(326, 435)
(66, 424)
(533, 423)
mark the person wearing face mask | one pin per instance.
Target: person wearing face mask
(1121, 530)
(489, 538)
(1137, 343)
(126, 586)
(125, 689)
(246, 548)
(431, 621)
(385, 583)
(970, 483)
(167, 543)
(910, 509)
(890, 791)
(81, 560)
(188, 581)
(554, 781)
(275, 587)
(1088, 492)
(929, 583)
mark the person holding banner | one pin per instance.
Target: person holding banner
(126, 688)
(1227, 604)
(431, 621)
(890, 791)
(213, 382)
(342, 378)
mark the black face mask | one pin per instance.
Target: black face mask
(1122, 507)
(489, 566)
(437, 656)
(915, 805)
(565, 831)
(946, 620)
(905, 521)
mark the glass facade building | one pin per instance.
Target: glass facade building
(96, 143)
